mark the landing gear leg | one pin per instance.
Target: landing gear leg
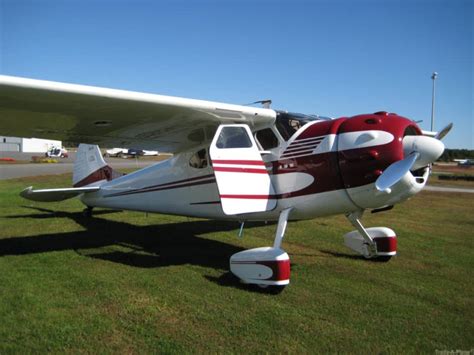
(281, 229)
(267, 267)
(378, 243)
(87, 212)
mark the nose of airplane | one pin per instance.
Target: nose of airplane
(428, 148)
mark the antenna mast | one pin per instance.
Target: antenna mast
(433, 77)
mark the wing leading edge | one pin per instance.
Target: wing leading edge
(109, 117)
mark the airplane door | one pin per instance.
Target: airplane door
(242, 179)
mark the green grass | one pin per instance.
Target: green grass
(128, 282)
(455, 170)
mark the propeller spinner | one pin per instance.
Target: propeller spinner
(419, 151)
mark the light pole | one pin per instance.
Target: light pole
(433, 76)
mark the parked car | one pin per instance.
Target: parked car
(116, 152)
(56, 152)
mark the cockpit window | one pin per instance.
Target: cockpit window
(267, 139)
(288, 123)
(233, 137)
(285, 130)
(199, 159)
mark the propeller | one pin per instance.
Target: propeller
(420, 151)
(395, 172)
(441, 134)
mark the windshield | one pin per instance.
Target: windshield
(288, 123)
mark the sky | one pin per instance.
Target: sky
(332, 58)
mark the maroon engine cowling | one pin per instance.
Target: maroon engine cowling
(362, 166)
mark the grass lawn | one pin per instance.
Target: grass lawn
(128, 282)
(439, 170)
(435, 181)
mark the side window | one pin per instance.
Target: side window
(288, 127)
(267, 138)
(233, 137)
(199, 160)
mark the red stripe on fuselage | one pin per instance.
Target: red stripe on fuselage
(207, 179)
(241, 170)
(239, 162)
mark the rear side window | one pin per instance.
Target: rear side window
(233, 137)
(267, 138)
(199, 160)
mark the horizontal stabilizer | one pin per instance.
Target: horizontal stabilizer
(51, 195)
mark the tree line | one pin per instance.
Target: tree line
(451, 154)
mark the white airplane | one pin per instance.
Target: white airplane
(230, 162)
(464, 161)
(125, 152)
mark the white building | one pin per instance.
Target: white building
(27, 145)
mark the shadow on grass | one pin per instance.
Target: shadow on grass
(230, 280)
(136, 246)
(379, 259)
(343, 255)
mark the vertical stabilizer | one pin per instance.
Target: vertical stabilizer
(90, 169)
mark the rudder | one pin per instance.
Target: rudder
(90, 168)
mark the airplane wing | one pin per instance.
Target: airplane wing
(115, 118)
(50, 195)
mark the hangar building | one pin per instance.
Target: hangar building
(27, 145)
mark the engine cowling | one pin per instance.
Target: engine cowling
(369, 144)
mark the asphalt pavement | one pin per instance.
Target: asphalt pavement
(11, 171)
(449, 189)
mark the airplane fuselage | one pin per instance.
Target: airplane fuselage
(324, 168)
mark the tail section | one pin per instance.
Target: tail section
(90, 169)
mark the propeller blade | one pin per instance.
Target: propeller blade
(395, 172)
(429, 149)
(441, 134)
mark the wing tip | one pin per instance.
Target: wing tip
(26, 193)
